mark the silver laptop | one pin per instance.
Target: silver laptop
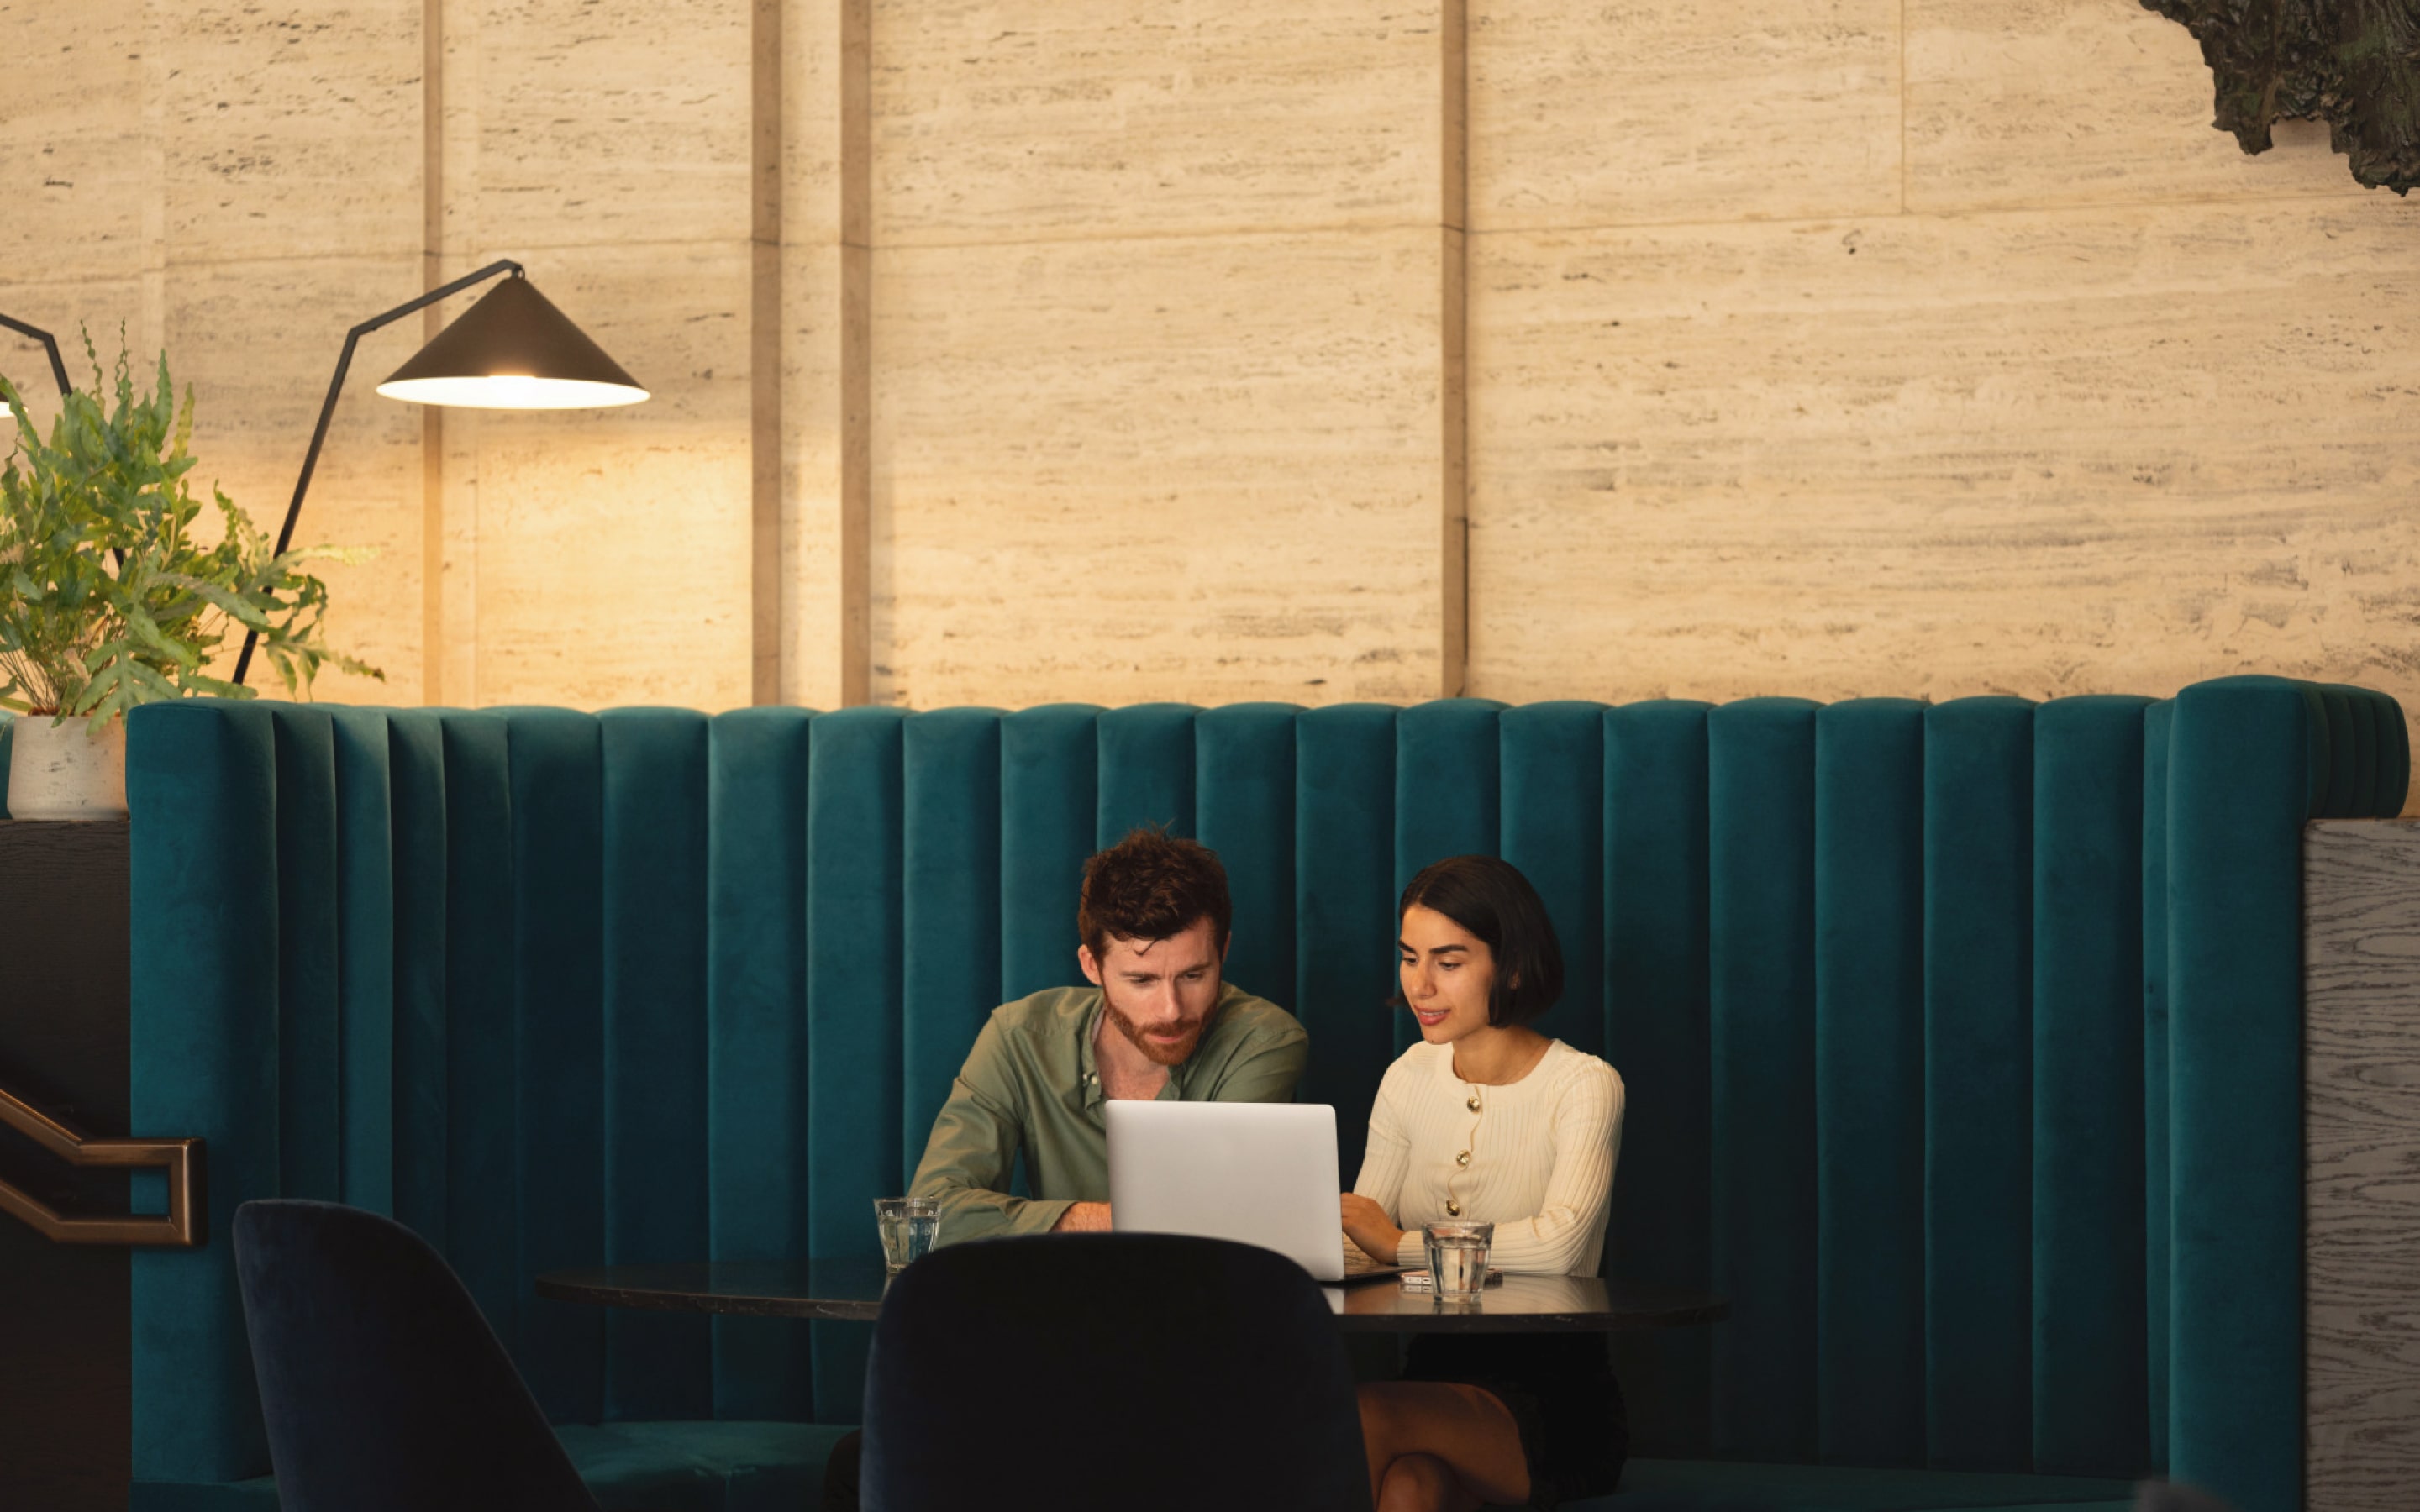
(1263, 1173)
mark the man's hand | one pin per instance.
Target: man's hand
(1083, 1218)
(1368, 1226)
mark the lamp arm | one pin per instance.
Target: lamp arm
(50, 344)
(328, 409)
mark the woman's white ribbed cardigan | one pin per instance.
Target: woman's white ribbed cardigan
(1535, 1157)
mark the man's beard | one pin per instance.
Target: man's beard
(1160, 1052)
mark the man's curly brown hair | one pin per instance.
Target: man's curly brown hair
(1149, 885)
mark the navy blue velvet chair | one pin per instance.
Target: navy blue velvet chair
(381, 1387)
(1178, 1373)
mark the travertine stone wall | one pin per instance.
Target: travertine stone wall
(1034, 349)
(819, 210)
(1198, 466)
(1929, 349)
(188, 174)
(1158, 363)
(604, 555)
(242, 183)
(2036, 453)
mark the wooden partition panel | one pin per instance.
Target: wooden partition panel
(2361, 1049)
(66, 1392)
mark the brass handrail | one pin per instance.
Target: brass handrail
(181, 1158)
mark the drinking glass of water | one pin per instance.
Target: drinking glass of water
(909, 1226)
(1458, 1257)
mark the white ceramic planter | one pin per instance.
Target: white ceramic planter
(58, 771)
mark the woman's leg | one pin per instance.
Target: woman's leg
(1421, 1483)
(841, 1475)
(1463, 1431)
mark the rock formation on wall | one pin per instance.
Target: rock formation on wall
(2355, 64)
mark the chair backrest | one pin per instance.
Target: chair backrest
(381, 1387)
(1962, 1039)
(1109, 1371)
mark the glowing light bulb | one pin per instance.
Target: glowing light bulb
(511, 391)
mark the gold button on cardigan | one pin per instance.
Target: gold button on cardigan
(1551, 1140)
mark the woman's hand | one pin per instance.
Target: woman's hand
(1367, 1225)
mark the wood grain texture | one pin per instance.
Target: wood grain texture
(1200, 468)
(1013, 119)
(2038, 102)
(1665, 111)
(2039, 453)
(2361, 1132)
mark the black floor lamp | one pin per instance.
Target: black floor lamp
(50, 344)
(512, 350)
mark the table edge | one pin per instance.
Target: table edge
(554, 1287)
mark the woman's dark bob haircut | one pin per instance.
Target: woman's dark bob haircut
(1492, 901)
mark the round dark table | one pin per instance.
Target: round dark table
(853, 1289)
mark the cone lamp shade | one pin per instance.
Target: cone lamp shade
(513, 350)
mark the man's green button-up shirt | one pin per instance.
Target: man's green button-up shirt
(1032, 1083)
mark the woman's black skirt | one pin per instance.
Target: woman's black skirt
(1560, 1391)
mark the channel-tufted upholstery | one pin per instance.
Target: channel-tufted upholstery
(1960, 1040)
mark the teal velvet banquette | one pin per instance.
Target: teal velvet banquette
(1962, 1041)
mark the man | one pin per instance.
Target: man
(1160, 1020)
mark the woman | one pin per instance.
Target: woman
(1487, 1119)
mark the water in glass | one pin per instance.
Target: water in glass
(1458, 1257)
(909, 1226)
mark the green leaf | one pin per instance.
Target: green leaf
(236, 606)
(110, 601)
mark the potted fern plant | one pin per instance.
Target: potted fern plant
(110, 597)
